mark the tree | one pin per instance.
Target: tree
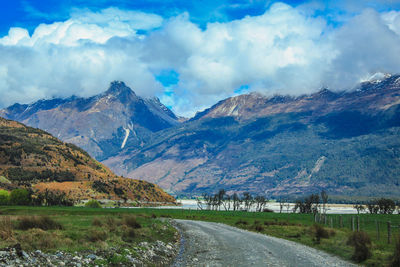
(324, 197)
(236, 201)
(359, 208)
(386, 206)
(20, 197)
(4, 197)
(261, 201)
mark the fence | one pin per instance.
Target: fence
(379, 229)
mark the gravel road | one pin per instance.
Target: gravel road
(215, 244)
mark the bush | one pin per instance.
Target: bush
(4, 197)
(97, 222)
(240, 221)
(93, 203)
(96, 235)
(129, 235)
(396, 255)
(320, 232)
(41, 222)
(130, 221)
(259, 228)
(360, 241)
(20, 197)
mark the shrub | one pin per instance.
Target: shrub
(360, 241)
(6, 229)
(396, 255)
(130, 221)
(38, 239)
(20, 197)
(320, 232)
(97, 222)
(41, 222)
(96, 235)
(259, 228)
(129, 235)
(4, 197)
(240, 221)
(93, 203)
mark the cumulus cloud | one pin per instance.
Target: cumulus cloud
(285, 50)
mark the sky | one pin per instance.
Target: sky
(191, 54)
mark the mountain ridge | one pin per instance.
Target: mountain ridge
(280, 145)
(98, 124)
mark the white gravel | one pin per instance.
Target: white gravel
(215, 244)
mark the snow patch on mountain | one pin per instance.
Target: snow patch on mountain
(127, 131)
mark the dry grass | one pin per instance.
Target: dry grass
(6, 229)
(39, 239)
(40, 222)
(131, 221)
(96, 235)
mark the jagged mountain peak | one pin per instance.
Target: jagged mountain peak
(119, 89)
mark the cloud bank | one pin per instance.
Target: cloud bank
(286, 50)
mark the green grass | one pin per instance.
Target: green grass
(79, 232)
(77, 222)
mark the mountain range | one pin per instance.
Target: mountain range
(345, 142)
(102, 125)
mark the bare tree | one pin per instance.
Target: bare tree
(261, 201)
(324, 198)
(236, 201)
(359, 208)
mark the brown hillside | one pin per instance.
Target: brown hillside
(30, 157)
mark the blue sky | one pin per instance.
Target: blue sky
(193, 53)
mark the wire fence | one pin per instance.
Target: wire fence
(381, 230)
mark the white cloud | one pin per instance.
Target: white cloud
(285, 50)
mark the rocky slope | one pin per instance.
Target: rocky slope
(102, 125)
(34, 159)
(345, 142)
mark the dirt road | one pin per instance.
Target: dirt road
(214, 244)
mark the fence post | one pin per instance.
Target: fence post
(331, 222)
(377, 230)
(358, 223)
(340, 221)
(352, 223)
(325, 219)
(389, 233)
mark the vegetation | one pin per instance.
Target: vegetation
(361, 242)
(76, 229)
(20, 197)
(4, 197)
(78, 224)
(93, 204)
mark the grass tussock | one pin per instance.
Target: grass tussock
(41, 222)
(6, 229)
(361, 242)
(241, 222)
(319, 233)
(96, 235)
(36, 238)
(396, 255)
(131, 222)
(97, 222)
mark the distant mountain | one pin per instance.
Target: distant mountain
(32, 158)
(103, 124)
(345, 142)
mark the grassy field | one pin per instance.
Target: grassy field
(78, 226)
(73, 229)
